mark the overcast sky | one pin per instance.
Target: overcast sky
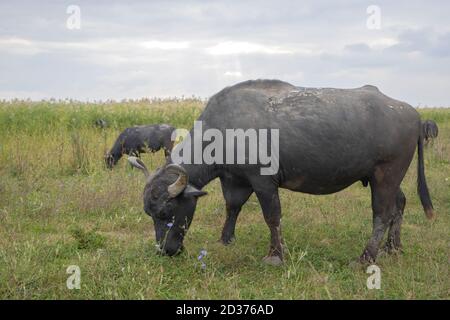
(155, 48)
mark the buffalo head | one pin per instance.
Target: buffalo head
(110, 160)
(170, 200)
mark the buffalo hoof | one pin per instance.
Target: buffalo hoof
(367, 258)
(273, 261)
(391, 248)
(227, 240)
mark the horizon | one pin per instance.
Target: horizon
(150, 100)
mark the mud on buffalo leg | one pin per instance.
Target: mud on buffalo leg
(270, 205)
(393, 242)
(235, 194)
(384, 184)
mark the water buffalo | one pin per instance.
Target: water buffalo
(430, 130)
(139, 139)
(328, 140)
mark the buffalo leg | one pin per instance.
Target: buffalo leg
(385, 185)
(270, 205)
(393, 242)
(235, 194)
(166, 153)
(134, 153)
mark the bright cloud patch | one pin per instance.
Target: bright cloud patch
(236, 74)
(165, 45)
(382, 43)
(231, 47)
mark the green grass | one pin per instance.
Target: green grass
(59, 207)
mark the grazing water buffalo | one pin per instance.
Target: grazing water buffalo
(139, 139)
(328, 140)
(430, 130)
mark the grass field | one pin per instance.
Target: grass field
(59, 206)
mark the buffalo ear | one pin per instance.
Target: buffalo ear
(137, 163)
(193, 191)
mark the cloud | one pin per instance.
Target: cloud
(358, 48)
(29, 46)
(160, 48)
(19, 46)
(165, 45)
(426, 41)
(234, 48)
(236, 74)
(381, 43)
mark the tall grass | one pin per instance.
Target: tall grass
(43, 117)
